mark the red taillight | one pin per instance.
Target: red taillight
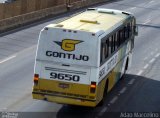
(93, 87)
(36, 78)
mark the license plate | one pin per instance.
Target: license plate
(63, 85)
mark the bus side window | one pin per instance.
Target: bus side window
(128, 30)
(110, 46)
(116, 41)
(101, 59)
(124, 30)
(133, 24)
(121, 36)
(104, 51)
(107, 48)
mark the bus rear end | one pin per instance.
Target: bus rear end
(66, 67)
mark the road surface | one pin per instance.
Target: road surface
(139, 91)
(1, 1)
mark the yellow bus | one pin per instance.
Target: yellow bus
(79, 60)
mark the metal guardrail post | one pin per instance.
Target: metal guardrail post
(68, 5)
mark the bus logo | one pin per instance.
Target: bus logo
(68, 44)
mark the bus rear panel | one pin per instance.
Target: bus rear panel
(64, 65)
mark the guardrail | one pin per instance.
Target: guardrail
(25, 11)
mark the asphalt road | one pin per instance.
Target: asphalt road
(1, 1)
(139, 91)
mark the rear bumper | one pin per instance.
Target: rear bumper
(64, 100)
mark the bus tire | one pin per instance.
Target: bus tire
(126, 66)
(101, 103)
(125, 69)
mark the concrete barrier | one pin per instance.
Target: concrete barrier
(12, 22)
(85, 3)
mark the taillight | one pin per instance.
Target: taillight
(93, 87)
(36, 78)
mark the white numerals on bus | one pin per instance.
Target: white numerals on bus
(66, 77)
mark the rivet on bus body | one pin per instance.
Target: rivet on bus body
(69, 30)
(82, 100)
(45, 99)
(93, 34)
(46, 28)
(75, 31)
(64, 30)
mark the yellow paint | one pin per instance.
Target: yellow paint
(64, 100)
(69, 45)
(89, 21)
(95, 21)
(76, 94)
(100, 90)
(79, 93)
(73, 89)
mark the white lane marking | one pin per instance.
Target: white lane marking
(156, 49)
(123, 90)
(151, 1)
(113, 100)
(131, 81)
(146, 66)
(157, 55)
(147, 21)
(152, 60)
(133, 8)
(140, 72)
(152, 53)
(27, 108)
(7, 59)
(129, 71)
(102, 112)
(145, 58)
(4, 109)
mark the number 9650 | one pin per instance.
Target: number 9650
(66, 77)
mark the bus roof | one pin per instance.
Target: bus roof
(94, 20)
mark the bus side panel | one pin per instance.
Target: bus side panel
(100, 90)
(112, 80)
(116, 74)
(125, 50)
(64, 88)
(118, 70)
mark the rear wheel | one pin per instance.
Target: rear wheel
(125, 69)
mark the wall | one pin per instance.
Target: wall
(25, 11)
(20, 7)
